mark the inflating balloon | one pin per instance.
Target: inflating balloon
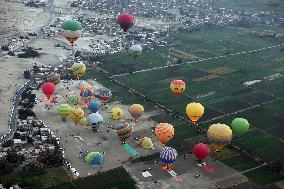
(76, 115)
(201, 151)
(194, 111)
(84, 121)
(94, 158)
(63, 111)
(136, 111)
(86, 96)
(219, 135)
(239, 126)
(125, 20)
(124, 131)
(135, 50)
(79, 69)
(177, 87)
(164, 132)
(48, 89)
(116, 113)
(71, 30)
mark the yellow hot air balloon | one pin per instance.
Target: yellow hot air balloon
(116, 113)
(194, 111)
(76, 115)
(136, 111)
(84, 121)
(219, 135)
(79, 69)
(146, 143)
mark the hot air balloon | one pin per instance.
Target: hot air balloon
(53, 78)
(63, 111)
(76, 115)
(125, 20)
(136, 111)
(201, 151)
(168, 156)
(86, 95)
(177, 87)
(146, 143)
(85, 86)
(94, 106)
(219, 135)
(164, 132)
(79, 69)
(239, 126)
(94, 158)
(48, 89)
(73, 99)
(104, 95)
(194, 111)
(124, 131)
(71, 30)
(116, 113)
(135, 50)
(95, 119)
(83, 121)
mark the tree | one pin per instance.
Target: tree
(5, 167)
(14, 158)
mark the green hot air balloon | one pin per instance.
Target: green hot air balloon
(94, 158)
(71, 30)
(73, 99)
(63, 111)
(239, 126)
(53, 78)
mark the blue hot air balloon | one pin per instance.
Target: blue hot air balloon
(94, 158)
(95, 119)
(94, 106)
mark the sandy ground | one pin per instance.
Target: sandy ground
(19, 20)
(104, 141)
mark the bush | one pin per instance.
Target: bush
(4, 48)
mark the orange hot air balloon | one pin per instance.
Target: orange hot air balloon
(164, 132)
(177, 87)
(136, 111)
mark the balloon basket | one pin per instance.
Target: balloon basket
(166, 167)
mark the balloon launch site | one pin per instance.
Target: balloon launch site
(142, 94)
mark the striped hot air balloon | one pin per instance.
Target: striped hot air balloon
(164, 132)
(53, 78)
(168, 156)
(94, 158)
(104, 95)
(124, 131)
(71, 30)
(63, 111)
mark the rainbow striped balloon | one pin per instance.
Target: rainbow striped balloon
(124, 131)
(94, 158)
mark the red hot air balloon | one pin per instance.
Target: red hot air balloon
(125, 20)
(48, 89)
(201, 151)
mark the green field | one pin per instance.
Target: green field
(36, 179)
(217, 83)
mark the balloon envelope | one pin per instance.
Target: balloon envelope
(76, 114)
(219, 135)
(201, 151)
(168, 155)
(73, 99)
(239, 126)
(135, 50)
(125, 20)
(116, 113)
(94, 158)
(64, 110)
(79, 69)
(146, 143)
(71, 30)
(136, 111)
(94, 106)
(164, 132)
(124, 131)
(48, 89)
(194, 111)
(104, 94)
(53, 78)
(95, 119)
(177, 87)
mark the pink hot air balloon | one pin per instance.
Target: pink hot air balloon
(48, 89)
(201, 151)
